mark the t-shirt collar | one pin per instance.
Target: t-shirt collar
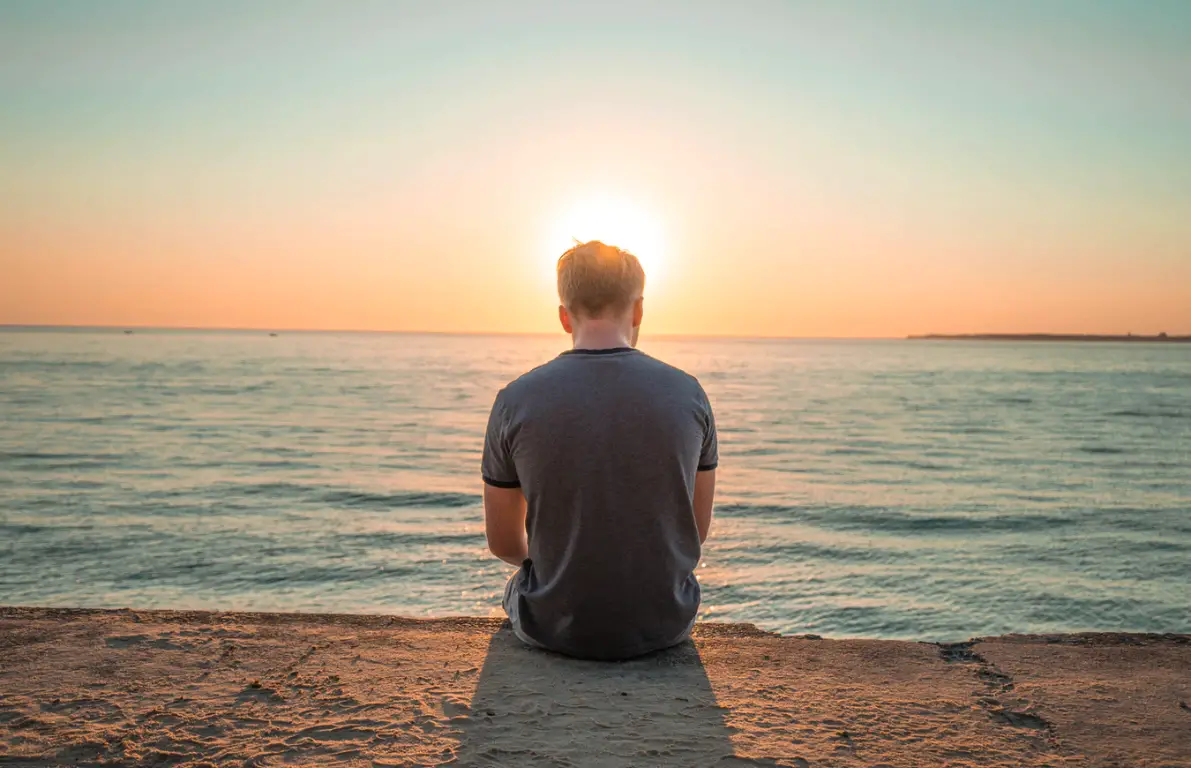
(607, 351)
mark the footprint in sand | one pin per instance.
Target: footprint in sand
(331, 733)
(255, 691)
(454, 708)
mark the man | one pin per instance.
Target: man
(599, 472)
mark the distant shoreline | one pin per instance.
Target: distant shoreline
(1160, 338)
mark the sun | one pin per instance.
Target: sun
(621, 223)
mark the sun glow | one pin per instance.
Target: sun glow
(614, 222)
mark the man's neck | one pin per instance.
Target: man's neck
(599, 335)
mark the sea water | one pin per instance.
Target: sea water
(898, 489)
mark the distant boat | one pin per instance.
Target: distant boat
(129, 333)
(272, 334)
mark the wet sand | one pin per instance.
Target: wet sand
(192, 688)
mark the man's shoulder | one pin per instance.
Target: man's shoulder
(666, 369)
(532, 378)
(671, 376)
(528, 385)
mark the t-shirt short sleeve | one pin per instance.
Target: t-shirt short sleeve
(709, 455)
(497, 466)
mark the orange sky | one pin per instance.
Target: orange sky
(849, 171)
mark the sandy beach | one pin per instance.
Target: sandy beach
(192, 688)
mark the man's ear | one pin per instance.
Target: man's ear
(638, 311)
(564, 317)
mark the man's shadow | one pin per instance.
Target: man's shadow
(535, 708)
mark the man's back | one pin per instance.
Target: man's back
(605, 444)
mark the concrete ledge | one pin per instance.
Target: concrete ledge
(202, 688)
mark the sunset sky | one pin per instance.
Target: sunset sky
(783, 169)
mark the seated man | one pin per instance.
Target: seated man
(599, 471)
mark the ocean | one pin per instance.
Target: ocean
(931, 490)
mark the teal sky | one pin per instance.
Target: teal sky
(816, 168)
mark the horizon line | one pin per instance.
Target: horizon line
(408, 332)
(419, 332)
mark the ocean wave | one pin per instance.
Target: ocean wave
(33, 529)
(50, 456)
(400, 499)
(233, 574)
(806, 551)
(348, 497)
(889, 520)
(925, 466)
(1134, 414)
(399, 539)
(47, 461)
(973, 430)
(1172, 522)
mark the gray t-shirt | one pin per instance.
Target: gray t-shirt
(605, 445)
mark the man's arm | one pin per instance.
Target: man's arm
(704, 495)
(504, 523)
(504, 503)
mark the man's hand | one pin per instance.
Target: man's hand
(704, 495)
(504, 523)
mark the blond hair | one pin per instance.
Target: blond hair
(594, 278)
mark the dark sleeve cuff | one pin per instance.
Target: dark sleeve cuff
(502, 483)
(708, 467)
